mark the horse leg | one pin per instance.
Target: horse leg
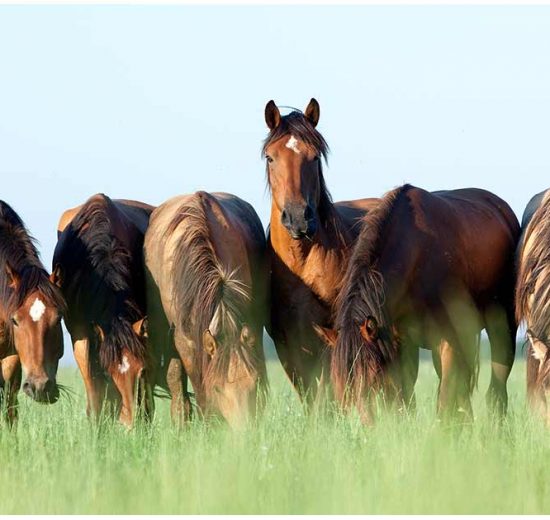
(454, 388)
(11, 377)
(501, 329)
(93, 383)
(409, 362)
(180, 406)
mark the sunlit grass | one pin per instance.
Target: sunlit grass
(57, 462)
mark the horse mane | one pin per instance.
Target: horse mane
(206, 294)
(100, 267)
(297, 125)
(532, 295)
(355, 361)
(18, 253)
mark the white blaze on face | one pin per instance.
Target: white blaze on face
(124, 366)
(293, 144)
(37, 309)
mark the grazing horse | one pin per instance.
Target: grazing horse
(533, 299)
(309, 243)
(207, 304)
(98, 264)
(31, 308)
(428, 270)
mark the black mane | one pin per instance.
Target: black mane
(18, 255)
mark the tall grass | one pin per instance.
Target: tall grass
(289, 462)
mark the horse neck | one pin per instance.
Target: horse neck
(323, 254)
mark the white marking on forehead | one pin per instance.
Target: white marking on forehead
(292, 143)
(37, 309)
(124, 366)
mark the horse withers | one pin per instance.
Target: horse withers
(31, 308)
(98, 264)
(428, 270)
(207, 302)
(309, 244)
(533, 300)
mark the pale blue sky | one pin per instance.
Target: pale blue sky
(147, 102)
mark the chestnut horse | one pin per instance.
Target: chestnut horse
(533, 300)
(428, 270)
(98, 264)
(31, 308)
(207, 304)
(309, 243)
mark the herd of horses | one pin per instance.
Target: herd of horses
(160, 297)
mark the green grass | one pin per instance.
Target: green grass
(57, 462)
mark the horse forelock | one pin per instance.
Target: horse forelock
(206, 294)
(355, 360)
(97, 278)
(18, 253)
(297, 125)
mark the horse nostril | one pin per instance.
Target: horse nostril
(308, 213)
(27, 388)
(285, 218)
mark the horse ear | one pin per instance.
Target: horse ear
(99, 331)
(209, 343)
(369, 329)
(313, 111)
(56, 277)
(13, 278)
(538, 348)
(140, 327)
(272, 115)
(328, 336)
(248, 338)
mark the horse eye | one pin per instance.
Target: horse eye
(317, 158)
(14, 321)
(269, 159)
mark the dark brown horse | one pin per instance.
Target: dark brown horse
(98, 264)
(31, 308)
(533, 298)
(309, 243)
(207, 303)
(428, 270)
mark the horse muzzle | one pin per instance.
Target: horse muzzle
(41, 390)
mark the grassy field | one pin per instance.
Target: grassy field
(57, 462)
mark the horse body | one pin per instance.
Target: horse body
(207, 291)
(309, 243)
(98, 264)
(532, 300)
(31, 308)
(428, 270)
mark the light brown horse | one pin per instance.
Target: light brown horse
(428, 270)
(533, 298)
(309, 242)
(207, 304)
(31, 308)
(98, 264)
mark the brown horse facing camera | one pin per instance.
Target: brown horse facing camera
(31, 308)
(533, 300)
(428, 270)
(310, 240)
(98, 264)
(206, 290)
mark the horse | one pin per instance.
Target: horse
(207, 290)
(98, 265)
(31, 309)
(309, 244)
(428, 270)
(532, 300)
